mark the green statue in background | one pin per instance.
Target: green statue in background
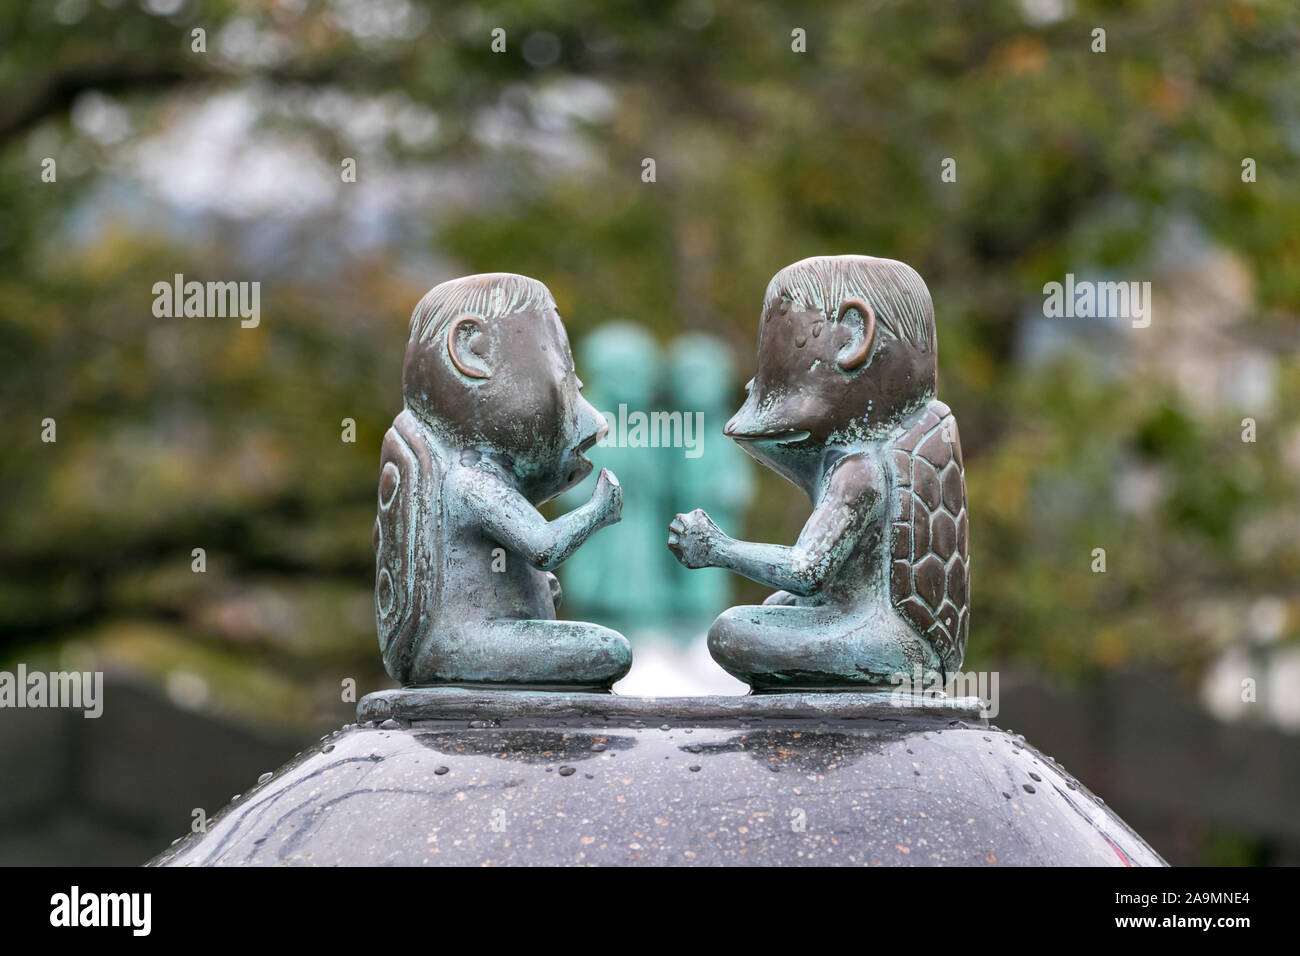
(714, 474)
(659, 411)
(621, 575)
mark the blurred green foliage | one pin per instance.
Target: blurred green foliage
(182, 433)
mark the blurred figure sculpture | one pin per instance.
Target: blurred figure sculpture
(620, 577)
(715, 476)
(493, 426)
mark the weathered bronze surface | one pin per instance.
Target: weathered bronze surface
(493, 426)
(843, 405)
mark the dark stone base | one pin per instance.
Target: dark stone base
(471, 777)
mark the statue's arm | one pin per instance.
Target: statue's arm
(510, 519)
(826, 541)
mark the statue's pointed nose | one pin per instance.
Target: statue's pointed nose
(746, 422)
(744, 427)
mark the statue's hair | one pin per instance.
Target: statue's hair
(894, 289)
(488, 296)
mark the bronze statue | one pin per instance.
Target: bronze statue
(493, 426)
(843, 405)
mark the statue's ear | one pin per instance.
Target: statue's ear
(466, 345)
(859, 319)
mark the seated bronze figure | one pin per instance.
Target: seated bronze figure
(493, 426)
(843, 405)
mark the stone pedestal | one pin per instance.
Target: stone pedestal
(471, 777)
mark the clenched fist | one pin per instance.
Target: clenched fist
(693, 538)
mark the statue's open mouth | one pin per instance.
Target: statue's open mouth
(792, 437)
(585, 466)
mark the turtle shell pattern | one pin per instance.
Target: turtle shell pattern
(407, 576)
(929, 533)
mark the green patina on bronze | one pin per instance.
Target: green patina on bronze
(493, 426)
(843, 405)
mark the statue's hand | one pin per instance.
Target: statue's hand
(608, 499)
(779, 598)
(694, 539)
